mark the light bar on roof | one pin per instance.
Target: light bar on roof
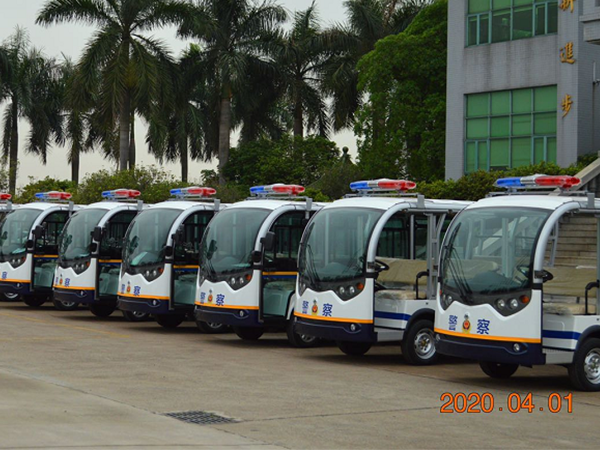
(277, 189)
(121, 194)
(556, 181)
(383, 184)
(53, 196)
(194, 191)
(5, 196)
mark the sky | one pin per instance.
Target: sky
(70, 39)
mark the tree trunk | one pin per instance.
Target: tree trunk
(124, 127)
(132, 143)
(224, 136)
(184, 162)
(75, 165)
(298, 119)
(14, 147)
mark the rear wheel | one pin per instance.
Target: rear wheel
(354, 348)
(64, 305)
(170, 320)
(34, 302)
(249, 333)
(136, 316)
(584, 372)
(211, 327)
(300, 340)
(102, 310)
(498, 370)
(418, 345)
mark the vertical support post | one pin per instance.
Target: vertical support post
(411, 225)
(597, 260)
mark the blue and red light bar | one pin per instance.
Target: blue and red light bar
(279, 188)
(53, 196)
(383, 184)
(121, 194)
(556, 181)
(193, 191)
(5, 196)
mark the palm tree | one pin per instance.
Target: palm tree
(30, 86)
(129, 65)
(233, 35)
(368, 22)
(300, 59)
(186, 129)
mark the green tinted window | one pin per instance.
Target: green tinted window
(514, 132)
(477, 6)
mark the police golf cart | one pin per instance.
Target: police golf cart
(7, 206)
(89, 252)
(519, 281)
(368, 269)
(160, 257)
(29, 248)
(248, 265)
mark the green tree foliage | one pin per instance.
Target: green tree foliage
(129, 66)
(289, 160)
(402, 126)
(29, 88)
(335, 182)
(27, 193)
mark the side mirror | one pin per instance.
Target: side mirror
(256, 257)
(97, 234)
(544, 275)
(38, 232)
(268, 241)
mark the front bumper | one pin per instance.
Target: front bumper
(151, 306)
(336, 331)
(15, 287)
(85, 297)
(491, 351)
(235, 317)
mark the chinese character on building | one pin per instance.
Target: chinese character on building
(566, 54)
(566, 104)
(567, 4)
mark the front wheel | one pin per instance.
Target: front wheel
(418, 345)
(11, 297)
(584, 371)
(34, 302)
(63, 305)
(498, 370)
(300, 340)
(136, 316)
(354, 348)
(102, 310)
(211, 327)
(170, 320)
(249, 333)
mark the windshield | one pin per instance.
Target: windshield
(230, 238)
(76, 239)
(14, 231)
(336, 242)
(490, 250)
(146, 238)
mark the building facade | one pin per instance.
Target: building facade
(521, 84)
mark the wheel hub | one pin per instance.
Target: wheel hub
(591, 366)
(424, 344)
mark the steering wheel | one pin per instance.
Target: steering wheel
(383, 265)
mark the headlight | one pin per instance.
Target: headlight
(514, 303)
(80, 267)
(16, 262)
(501, 303)
(152, 274)
(239, 281)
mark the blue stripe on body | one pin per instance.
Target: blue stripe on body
(391, 315)
(552, 334)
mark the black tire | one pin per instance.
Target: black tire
(352, 348)
(65, 305)
(102, 310)
(584, 371)
(211, 328)
(498, 370)
(249, 333)
(418, 345)
(10, 297)
(300, 340)
(34, 302)
(170, 320)
(136, 316)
